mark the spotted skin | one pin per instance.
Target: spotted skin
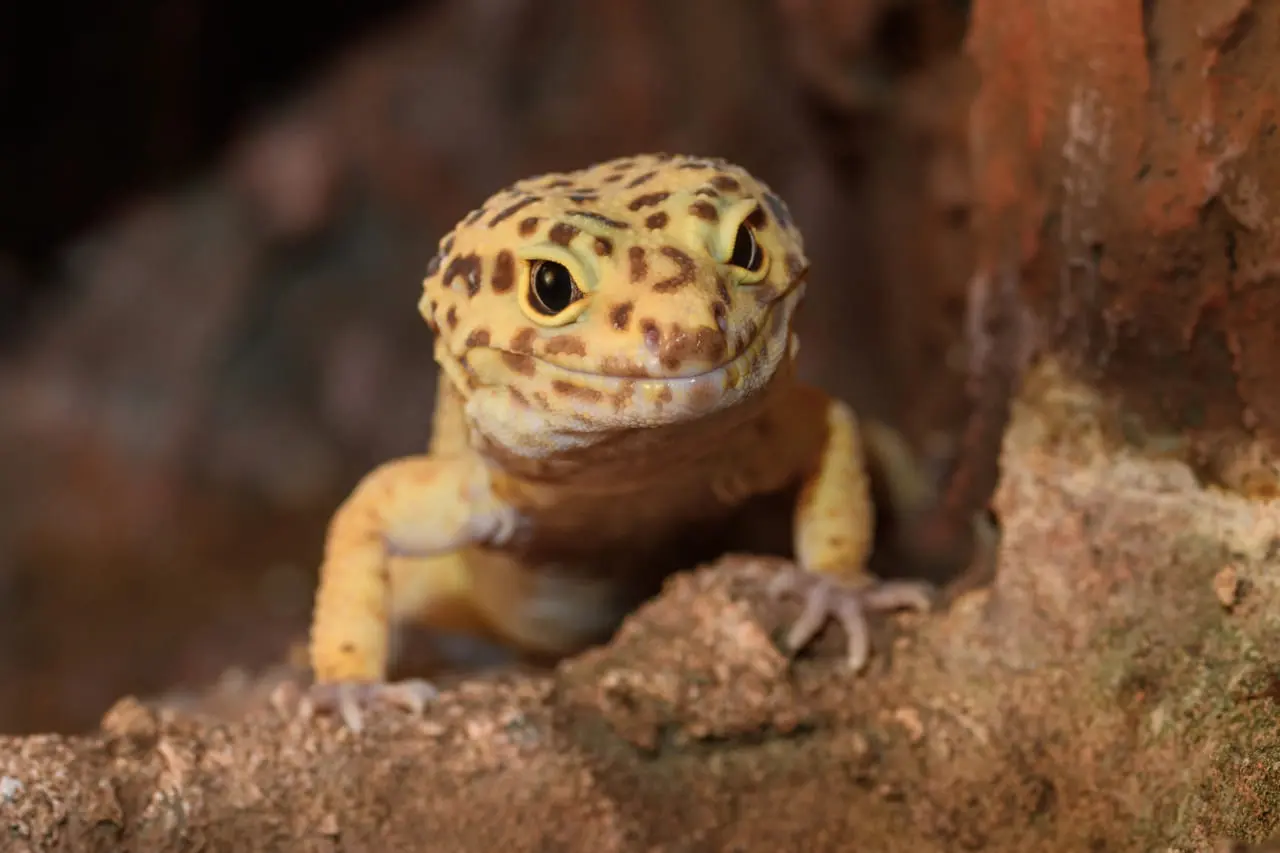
(578, 451)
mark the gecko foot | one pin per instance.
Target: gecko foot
(352, 699)
(826, 597)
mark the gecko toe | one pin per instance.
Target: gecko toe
(826, 598)
(352, 700)
(898, 595)
(412, 695)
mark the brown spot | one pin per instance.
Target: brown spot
(528, 225)
(652, 334)
(347, 648)
(466, 267)
(562, 233)
(645, 178)
(566, 344)
(704, 210)
(507, 213)
(522, 341)
(617, 366)
(722, 290)
(710, 344)
(623, 397)
(600, 218)
(639, 267)
(446, 246)
(583, 198)
(664, 395)
(795, 265)
(685, 275)
(504, 272)
(758, 219)
(478, 338)
(779, 209)
(603, 246)
(648, 200)
(657, 220)
(559, 184)
(523, 364)
(568, 389)
(726, 184)
(695, 164)
(540, 398)
(520, 399)
(620, 315)
(473, 216)
(433, 265)
(707, 192)
(704, 343)
(451, 316)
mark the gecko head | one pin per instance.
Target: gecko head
(638, 293)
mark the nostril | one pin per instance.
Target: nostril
(722, 317)
(652, 335)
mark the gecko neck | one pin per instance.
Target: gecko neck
(625, 459)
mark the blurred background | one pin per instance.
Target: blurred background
(214, 221)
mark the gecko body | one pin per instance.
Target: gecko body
(617, 391)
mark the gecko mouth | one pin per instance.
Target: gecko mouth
(750, 348)
(633, 399)
(767, 329)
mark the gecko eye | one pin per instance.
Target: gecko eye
(551, 288)
(746, 252)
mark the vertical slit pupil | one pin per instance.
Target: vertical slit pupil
(746, 253)
(553, 288)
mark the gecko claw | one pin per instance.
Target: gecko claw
(352, 699)
(826, 597)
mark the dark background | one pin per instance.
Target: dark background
(214, 219)
(102, 101)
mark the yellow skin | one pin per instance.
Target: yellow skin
(617, 382)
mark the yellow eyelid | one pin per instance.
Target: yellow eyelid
(529, 256)
(730, 219)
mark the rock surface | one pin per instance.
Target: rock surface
(1099, 695)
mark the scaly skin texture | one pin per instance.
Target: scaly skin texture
(617, 387)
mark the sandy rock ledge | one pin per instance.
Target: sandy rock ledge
(1115, 688)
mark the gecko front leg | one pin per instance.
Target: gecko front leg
(419, 506)
(834, 526)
